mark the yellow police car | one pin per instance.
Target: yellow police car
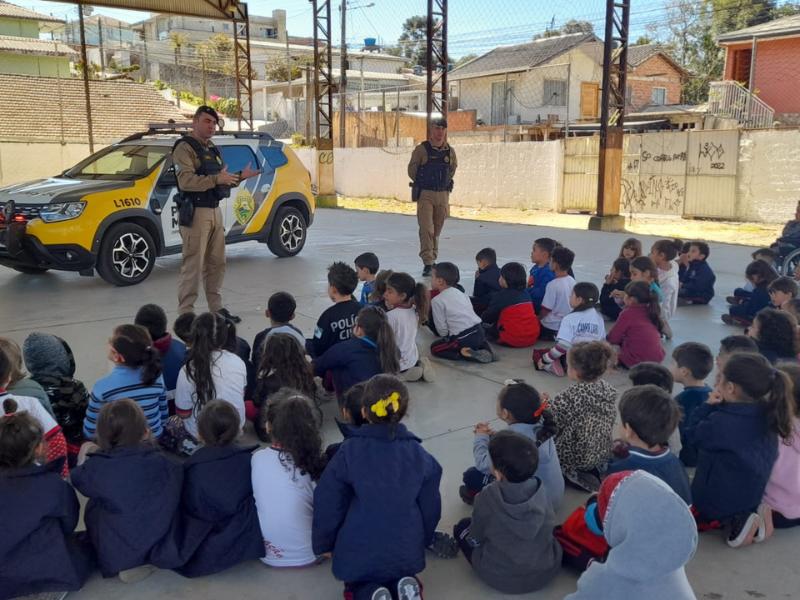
(115, 212)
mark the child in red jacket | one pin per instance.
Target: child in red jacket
(638, 329)
(510, 319)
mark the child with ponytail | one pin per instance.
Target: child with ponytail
(737, 432)
(38, 549)
(136, 375)
(55, 445)
(211, 372)
(408, 305)
(637, 332)
(377, 503)
(527, 412)
(371, 350)
(284, 475)
(583, 324)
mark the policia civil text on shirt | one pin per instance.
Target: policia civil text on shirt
(203, 181)
(432, 166)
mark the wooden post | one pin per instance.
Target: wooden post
(610, 169)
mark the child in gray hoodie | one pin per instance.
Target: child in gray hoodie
(509, 540)
(648, 555)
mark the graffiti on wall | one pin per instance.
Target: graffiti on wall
(654, 193)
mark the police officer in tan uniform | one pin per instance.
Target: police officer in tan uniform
(203, 180)
(432, 166)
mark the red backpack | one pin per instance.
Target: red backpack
(580, 545)
(518, 326)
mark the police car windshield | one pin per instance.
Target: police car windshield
(120, 163)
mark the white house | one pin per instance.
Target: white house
(556, 79)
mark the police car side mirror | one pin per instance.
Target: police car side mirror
(168, 178)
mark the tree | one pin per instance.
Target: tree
(279, 71)
(571, 26)
(643, 40)
(730, 15)
(178, 40)
(465, 59)
(414, 39)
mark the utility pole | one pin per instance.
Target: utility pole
(100, 44)
(288, 69)
(343, 76)
(89, 127)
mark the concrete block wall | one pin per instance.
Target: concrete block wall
(768, 180)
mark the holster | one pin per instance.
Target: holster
(415, 191)
(185, 211)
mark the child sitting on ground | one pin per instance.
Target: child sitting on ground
(631, 249)
(376, 297)
(648, 554)
(737, 433)
(642, 269)
(692, 363)
(39, 550)
(283, 365)
(745, 306)
(583, 324)
(367, 266)
(780, 506)
(696, 277)
(134, 493)
(781, 290)
(182, 326)
(615, 281)
(775, 334)
(637, 332)
(173, 352)
(455, 321)
(541, 274)
(527, 412)
(217, 492)
(649, 416)
(730, 345)
(663, 254)
(350, 417)
(20, 384)
(335, 324)
(377, 503)
(136, 374)
(510, 319)
(284, 475)
(555, 304)
(408, 305)
(370, 351)
(509, 539)
(584, 414)
(52, 364)
(280, 312)
(646, 373)
(487, 279)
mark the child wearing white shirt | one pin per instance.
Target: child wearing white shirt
(555, 305)
(663, 254)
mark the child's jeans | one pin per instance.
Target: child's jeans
(450, 347)
(475, 481)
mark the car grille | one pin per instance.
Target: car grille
(29, 211)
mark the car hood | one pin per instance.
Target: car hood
(57, 189)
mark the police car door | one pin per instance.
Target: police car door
(162, 204)
(239, 207)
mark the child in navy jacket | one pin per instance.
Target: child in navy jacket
(38, 549)
(218, 493)
(510, 319)
(335, 325)
(696, 279)
(744, 307)
(487, 279)
(372, 350)
(736, 433)
(133, 490)
(377, 504)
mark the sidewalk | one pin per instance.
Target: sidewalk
(729, 232)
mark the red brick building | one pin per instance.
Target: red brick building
(766, 59)
(654, 78)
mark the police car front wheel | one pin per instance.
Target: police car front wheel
(127, 254)
(288, 235)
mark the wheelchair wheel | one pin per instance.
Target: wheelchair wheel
(790, 263)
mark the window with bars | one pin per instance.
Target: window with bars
(658, 96)
(555, 92)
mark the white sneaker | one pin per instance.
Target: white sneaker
(765, 525)
(428, 372)
(408, 588)
(136, 574)
(381, 594)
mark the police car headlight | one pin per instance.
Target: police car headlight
(61, 212)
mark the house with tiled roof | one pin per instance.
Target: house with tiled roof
(765, 60)
(654, 78)
(21, 49)
(551, 79)
(52, 109)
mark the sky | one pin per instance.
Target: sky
(475, 26)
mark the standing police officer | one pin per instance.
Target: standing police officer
(432, 166)
(203, 181)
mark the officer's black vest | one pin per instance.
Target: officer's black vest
(210, 164)
(435, 174)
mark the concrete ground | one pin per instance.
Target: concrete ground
(84, 312)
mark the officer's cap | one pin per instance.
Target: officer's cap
(440, 122)
(208, 111)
